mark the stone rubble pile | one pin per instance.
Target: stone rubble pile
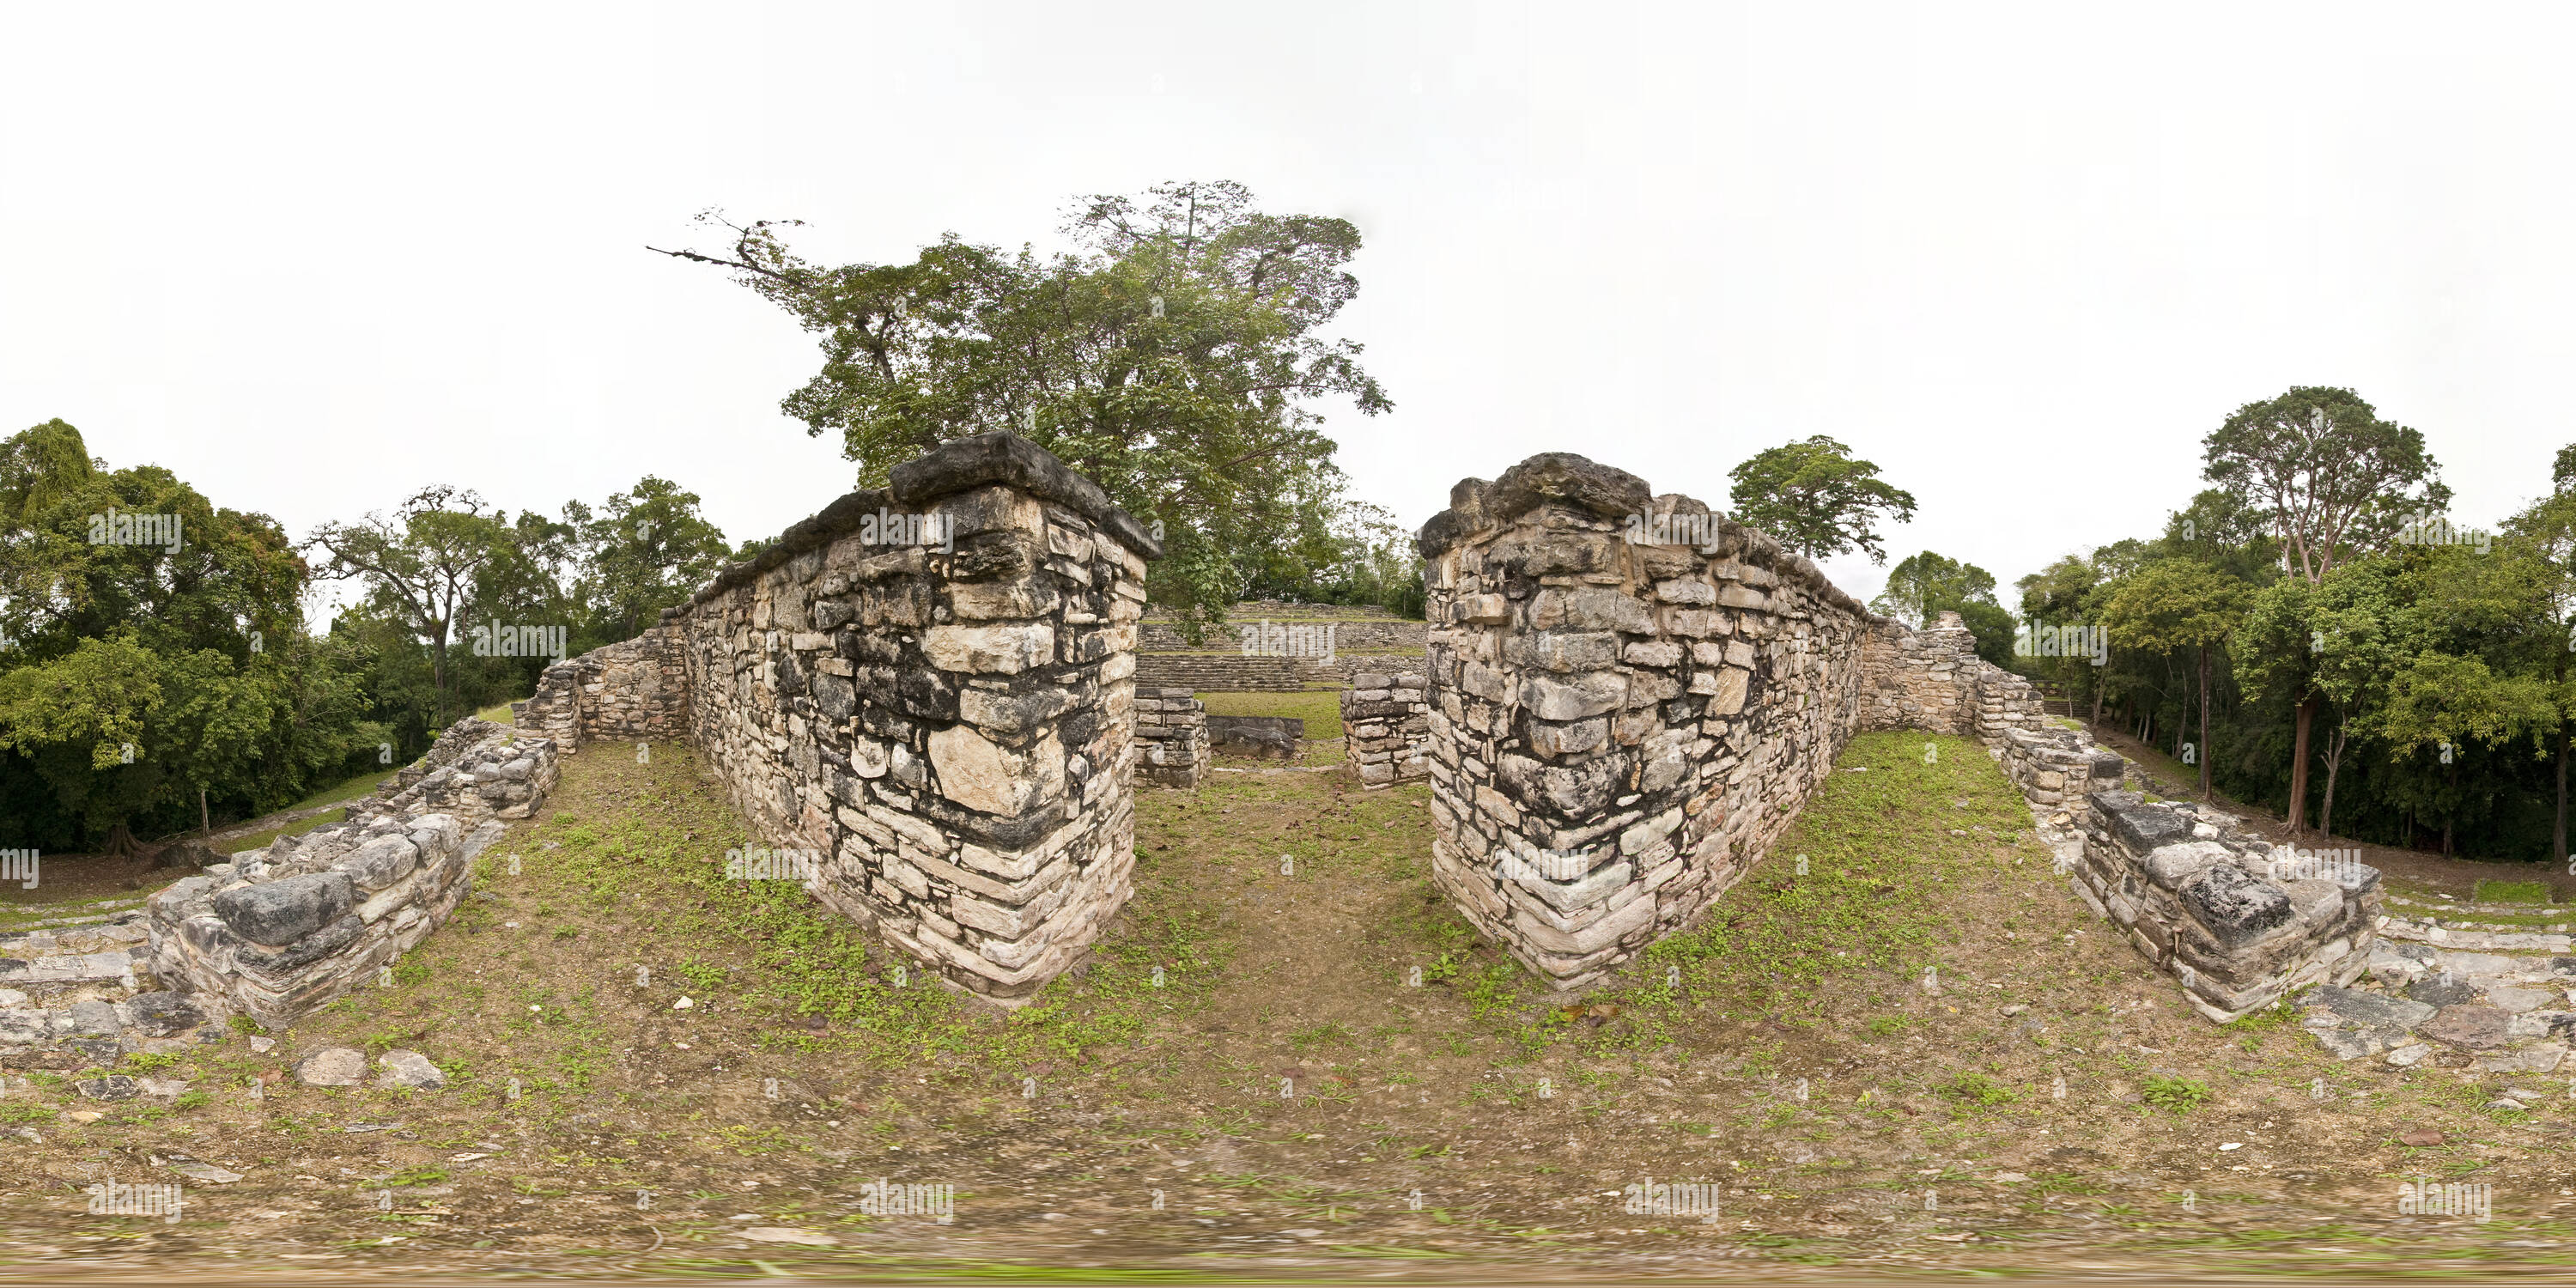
(81, 995)
(1386, 727)
(2502, 1000)
(280, 931)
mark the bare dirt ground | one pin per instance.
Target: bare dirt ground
(1247, 1081)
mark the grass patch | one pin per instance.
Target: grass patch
(1321, 709)
(2490, 890)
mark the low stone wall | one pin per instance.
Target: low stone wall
(1386, 728)
(1171, 735)
(1279, 736)
(629, 691)
(2210, 905)
(278, 932)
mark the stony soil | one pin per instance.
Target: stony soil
(1295, 1102)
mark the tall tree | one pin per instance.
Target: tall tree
(1817, 498)
(1177, 356)
(2174, 605)
(2544, 535)
(2336, 479)
(420, 565)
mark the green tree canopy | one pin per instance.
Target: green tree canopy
(1817, 499)
(1177, 356)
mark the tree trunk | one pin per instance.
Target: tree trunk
(2098, 686)
(2334, 762)
(2299, 766)
(205, 822)
(2558, 836)
(120, 843)
(2204, 722)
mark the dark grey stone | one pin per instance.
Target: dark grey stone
(2353, 1006)
(1007, 458)
(835, 697)
(306, 951)
(1259, 733)
(1566, 478)
(280, 912)
(2234, 907)
(93, 1017)
(112, 1087)
(161, 1015)
(2139, 825)
(2434, 990)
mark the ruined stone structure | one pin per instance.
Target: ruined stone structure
(629, 692)
(1620, 727)
(1386, 728)
(929, 687)
(2210, 905)
(1171, 725)
(280, 931)
(1618, 730)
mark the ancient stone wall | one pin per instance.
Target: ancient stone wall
(1386, 727)
(1171, 734)
(1618, 728)
(1231, 673)
(280, 931)
(931, 688)
(1631, 697)
(630, 691)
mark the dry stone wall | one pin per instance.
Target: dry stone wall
(630, 691)
(2212, 906)
(280, 931)
(932, 688)
(1171, 730)
(1618, 729)
(1621, 724)
(1386, 728)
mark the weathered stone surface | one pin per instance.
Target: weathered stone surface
(980, 775)
(2144, 827)
(2350, 1006)
(162, 1014)
(2236, 908)
(990, 650)
(2472, 1026)
(2172, 865)
(409, 1069)
(283, 911)
(332, 1067)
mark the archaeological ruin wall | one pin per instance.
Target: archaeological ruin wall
(277, 932)
(1386, 728)
(1618, 728)
(929, 690)
(1631, 697)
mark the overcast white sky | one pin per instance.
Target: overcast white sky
(2020, 257)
